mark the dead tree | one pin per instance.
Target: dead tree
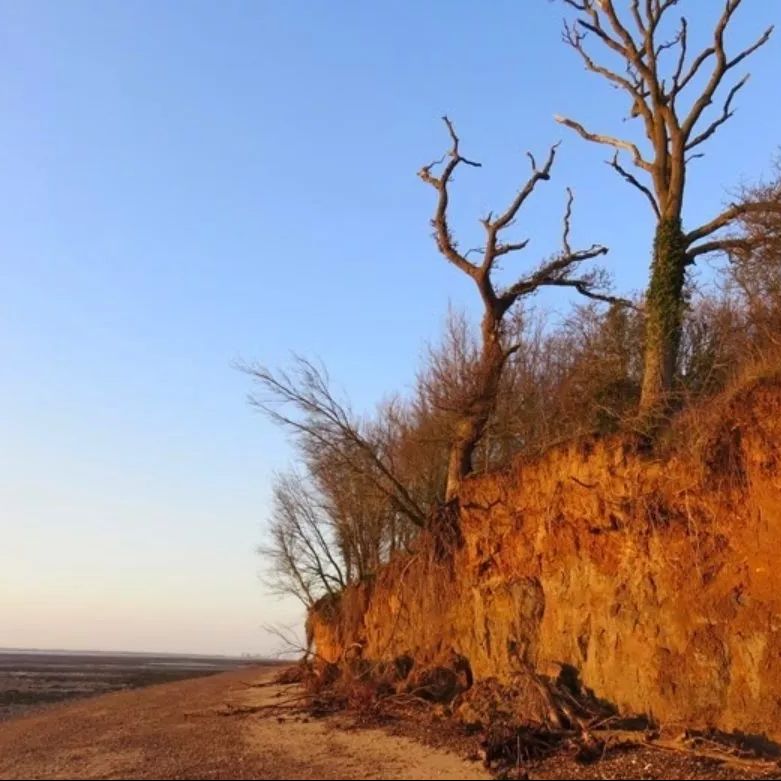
(670, 92)
(495, 348)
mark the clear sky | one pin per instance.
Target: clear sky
(187, 184)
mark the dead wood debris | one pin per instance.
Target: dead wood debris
(514, 728)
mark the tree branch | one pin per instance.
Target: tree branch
(721, 66)
(717, 245)
(555, 272)
(625, 50)
(504, 249)
(638, 17)
(629, 48)
(607, 140)
(329, 425)
(538, 175)
(725, 115)
(730, 215)
(683, 39)
(761, 41)
(445, 242)
(635, 182)
(584, 287)
(575, 39)
(494, 248)
(664, 46)
(567, 222)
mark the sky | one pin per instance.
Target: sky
(188, 185)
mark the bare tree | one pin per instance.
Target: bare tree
(302, 548)
(364, 520)
(670, 91)
(448, 377)
(302, 402)
(495, 348)
(755, 256)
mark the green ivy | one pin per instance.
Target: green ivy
(666, 300)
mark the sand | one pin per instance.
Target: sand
(209, 728)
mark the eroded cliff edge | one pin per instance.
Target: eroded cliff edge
(658, 578)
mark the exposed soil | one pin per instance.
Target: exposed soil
(650, 574)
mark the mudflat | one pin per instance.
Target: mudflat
(32, 680)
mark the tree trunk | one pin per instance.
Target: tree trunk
(461, 452)
(664, 317)
(472, 425)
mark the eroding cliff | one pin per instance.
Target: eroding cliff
(657, 578)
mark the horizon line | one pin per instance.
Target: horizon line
(98, 652)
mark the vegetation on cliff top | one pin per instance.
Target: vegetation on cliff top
(521, 382)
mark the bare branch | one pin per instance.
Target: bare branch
(595, 27)
(717, 245)
(445, 242)
(575, 39)
(567, 222)
(494, 247)
(666, 5)
(720, 67)
(504, 249)
(730, 215)
(727, 112)
(556, 272)
(641, 52)
(697, 63)
(676, 40)
(584, 287)
(552, 273)
(607, 140)
(683, 40)
(628, 48)
(454, 151)
(538, 175)
(761, 41)
(638, 17)
(634, 182)
(329, 424)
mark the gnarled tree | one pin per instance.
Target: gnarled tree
(670, 92)
(495, 348)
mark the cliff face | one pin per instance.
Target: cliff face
(657, 579)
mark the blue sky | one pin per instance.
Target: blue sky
(188, 184)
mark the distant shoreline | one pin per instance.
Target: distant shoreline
(96, 652)
(33, 679)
